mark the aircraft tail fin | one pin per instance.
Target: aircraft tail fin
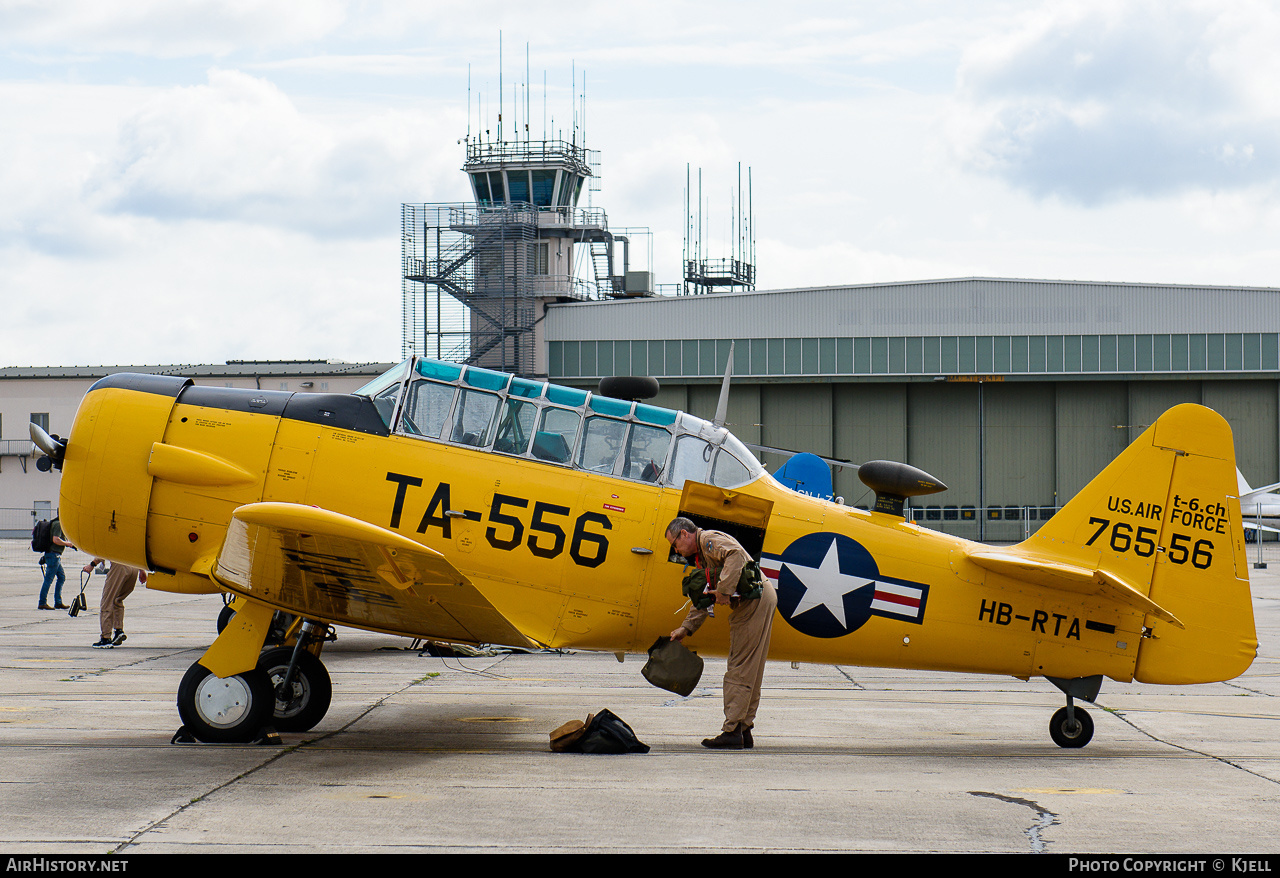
(1164, 518)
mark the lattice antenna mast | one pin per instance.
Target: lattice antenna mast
(738, 271)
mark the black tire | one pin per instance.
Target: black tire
(1064, 735)
(628, 387)
(225, 616)
(224, 711)
(311, 688)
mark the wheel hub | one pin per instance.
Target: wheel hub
(292, 700)
(223, 703)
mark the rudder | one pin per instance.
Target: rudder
(1164, 516)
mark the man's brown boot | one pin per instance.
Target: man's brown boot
(725, 741)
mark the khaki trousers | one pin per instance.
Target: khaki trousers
(749, 628)
(119, 585)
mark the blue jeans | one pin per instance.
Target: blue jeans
(52, 562)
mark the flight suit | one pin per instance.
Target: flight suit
(750, 624)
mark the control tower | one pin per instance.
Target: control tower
(478, 276)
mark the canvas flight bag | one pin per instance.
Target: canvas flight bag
(672, 666)
(567, 738)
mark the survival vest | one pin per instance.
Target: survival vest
(696, 580)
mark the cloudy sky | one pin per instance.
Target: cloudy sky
(202, 180)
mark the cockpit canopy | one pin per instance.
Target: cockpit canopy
(557, 426)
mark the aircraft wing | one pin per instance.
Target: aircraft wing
(331, 567)
(832, 461)
(1256, 494)
(1072, 578)
(1249, 525)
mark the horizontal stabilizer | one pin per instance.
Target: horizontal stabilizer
(328, 566)
(1072, 578)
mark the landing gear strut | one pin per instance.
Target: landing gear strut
(300, 682)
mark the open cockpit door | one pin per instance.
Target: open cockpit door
(743, 516)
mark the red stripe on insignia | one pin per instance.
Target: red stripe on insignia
(892, 598)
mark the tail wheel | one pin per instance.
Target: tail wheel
(1066, 733)
(310, 690)
(224, 711)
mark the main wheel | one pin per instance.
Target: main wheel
(225, 615)
(224, 711)
(1067, 734)
(309, 693)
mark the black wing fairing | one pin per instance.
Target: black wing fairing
(341, 410)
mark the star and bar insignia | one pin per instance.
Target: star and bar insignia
(829, 585)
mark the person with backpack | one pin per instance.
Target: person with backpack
(47, 539)
(732, 580)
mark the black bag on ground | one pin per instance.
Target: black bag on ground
(673, 666)
(608, 734)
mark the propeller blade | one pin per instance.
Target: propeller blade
(722, 407)
(55, 448)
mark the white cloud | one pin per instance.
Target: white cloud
(238, 149)
(203, 292)
(252, 209)
(1093, 101)
(167, 29)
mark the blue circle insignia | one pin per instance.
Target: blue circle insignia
(826, 583)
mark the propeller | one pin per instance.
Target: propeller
(55, 448)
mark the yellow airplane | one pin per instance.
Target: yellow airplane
(464, 505)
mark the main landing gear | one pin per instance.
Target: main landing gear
(1071, 726)
(288, 690)
(300, 687)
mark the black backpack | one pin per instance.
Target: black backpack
(42, 537)
(608, 734)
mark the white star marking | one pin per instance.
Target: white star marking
(826, 586)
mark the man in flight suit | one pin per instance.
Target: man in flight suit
(750, 622)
